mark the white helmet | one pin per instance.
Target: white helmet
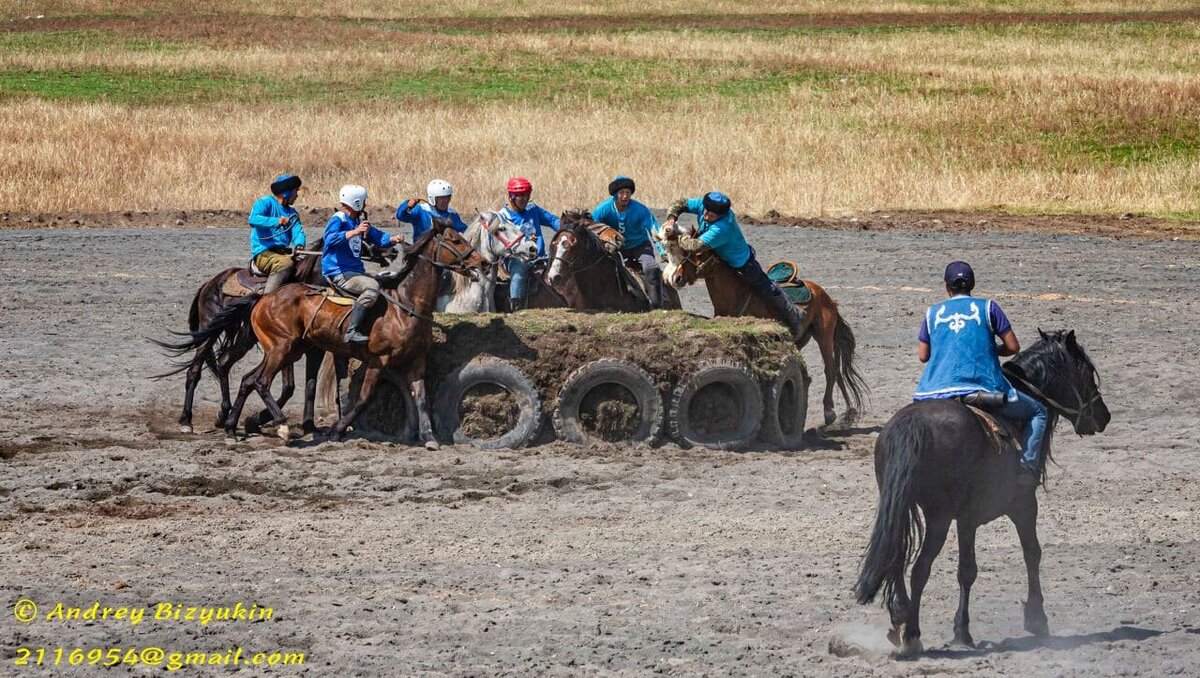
(439, 188)
(353, 196)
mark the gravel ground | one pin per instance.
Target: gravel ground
(561, 559)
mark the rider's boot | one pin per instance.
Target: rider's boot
(652, 280)
(358, 313)
(789, 313)
(275, 281)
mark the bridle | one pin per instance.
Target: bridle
(459, 266)
(1076, 413)
(569, 262)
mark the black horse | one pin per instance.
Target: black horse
(938, 455)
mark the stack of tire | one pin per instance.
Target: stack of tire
(716, 403)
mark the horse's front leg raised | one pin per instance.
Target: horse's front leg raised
(415, 375)
(1025, 520)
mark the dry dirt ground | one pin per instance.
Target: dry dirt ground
(566, 560)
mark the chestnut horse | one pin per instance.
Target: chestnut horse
(220, 352)
(586, 268)
(732, 297)
(297, 321)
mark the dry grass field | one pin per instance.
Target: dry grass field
(808, 108)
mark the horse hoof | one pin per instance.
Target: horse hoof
(309, 427)
(185, 428)
(231, 440)
(965, 640)
(830, 417)
(893, 636)
(911, 648)
(284, 432)
(432, 445)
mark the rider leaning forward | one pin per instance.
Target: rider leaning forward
(341, 262)
(530, 218)
(636, 223)
(274, 229)
(718, 229)
(957, 344)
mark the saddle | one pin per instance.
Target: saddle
(1003, 433)
(786, 274)
(244, 283)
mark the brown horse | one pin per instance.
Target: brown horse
(220, 352)
(297, 321)
(587, 270)
(732, 297)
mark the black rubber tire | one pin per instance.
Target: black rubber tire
(785, 406)
(498, 372)
(587, 378)
(746, 392)
(390, 392)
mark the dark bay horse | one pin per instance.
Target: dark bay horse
(732, 297)
(587, 270)
(220, 352)
(936, 455)
(295, 321)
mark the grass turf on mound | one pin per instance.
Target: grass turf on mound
(550, 344)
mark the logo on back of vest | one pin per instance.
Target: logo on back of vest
(957, 321)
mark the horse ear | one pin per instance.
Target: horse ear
(1071, 339)
(1043, 334)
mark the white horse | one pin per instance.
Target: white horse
(496, 238)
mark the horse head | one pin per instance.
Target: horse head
(579, 243)
(1061, 373)
(499, 238)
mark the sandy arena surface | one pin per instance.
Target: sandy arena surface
(572, 560)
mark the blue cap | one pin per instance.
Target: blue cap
(959, 274)
(717, 203)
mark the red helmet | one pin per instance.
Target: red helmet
(519, 186)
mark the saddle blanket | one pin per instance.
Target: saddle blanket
(243, 284)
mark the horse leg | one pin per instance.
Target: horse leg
(825, 343)
(194, 371)
(1025, 520)
(285, 394)
(262, 384)
(312, 367)
(898, 605)
(935, 538)
(221, 368)
(416, 384)
(967, 570)
(370, 378)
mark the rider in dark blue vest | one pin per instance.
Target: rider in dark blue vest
(957, 344)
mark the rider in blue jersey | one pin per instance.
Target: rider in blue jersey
(531, 219)
(275, 229)
(718, 229)
(636, 224)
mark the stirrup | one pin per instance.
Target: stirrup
(355, 337)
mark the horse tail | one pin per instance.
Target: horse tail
(848, 377)
(327, 385)
(230, 320)
(898, 524)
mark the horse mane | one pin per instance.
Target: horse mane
(413, 252)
